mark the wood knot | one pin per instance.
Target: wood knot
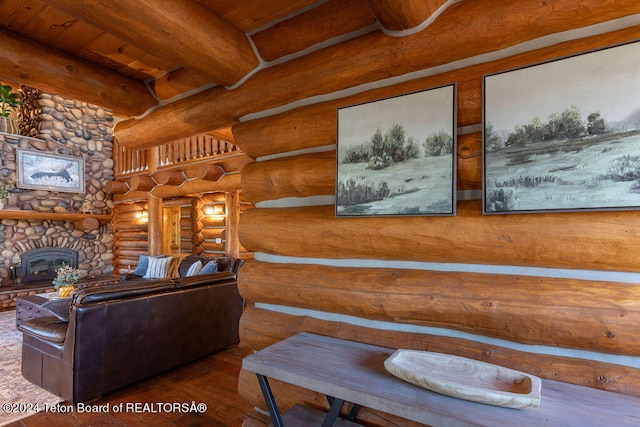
(611, 334)
(602, 380)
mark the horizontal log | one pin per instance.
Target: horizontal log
(315, 174)
(213, 233)
(141, 183)
(370, 58)
(169, 177)
(260, 328)
(134, 244)
(229, 182)
(570, 313)
(131, 196)
(132, 235)
(315, 125)
(212, 198)
(177, 82)
(130, 253)
(128, 207)
(141, 226)
(209, 172)
(577, 240)
(328, 20)
(399, 15)
(299, 176)
(116, 187)
(212, 246)
(54, 71)
(213, 221)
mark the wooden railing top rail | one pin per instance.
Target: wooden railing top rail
(193, 149)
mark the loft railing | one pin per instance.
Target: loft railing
(199, 147)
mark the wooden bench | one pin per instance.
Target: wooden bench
(348, 371)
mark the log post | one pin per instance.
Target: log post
(232, 200)
(155, 225)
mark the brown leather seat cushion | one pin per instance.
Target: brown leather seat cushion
(48, 328)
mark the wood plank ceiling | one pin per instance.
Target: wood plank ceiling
(135, 57)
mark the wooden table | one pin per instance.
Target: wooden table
(354, 372)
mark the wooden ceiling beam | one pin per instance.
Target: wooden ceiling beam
(184, 31)
(399, 15)
(370, 58)
(36, 65)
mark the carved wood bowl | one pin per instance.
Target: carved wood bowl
(466, 378)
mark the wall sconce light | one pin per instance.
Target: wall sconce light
(142, 216)
(213, 209)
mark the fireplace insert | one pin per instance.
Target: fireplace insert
(39, 265)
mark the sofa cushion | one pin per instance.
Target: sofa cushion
(158, 268)
(210, 267)
(143, 264)
(48, 328)
(194, 269)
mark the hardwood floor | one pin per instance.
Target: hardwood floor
(212, 381)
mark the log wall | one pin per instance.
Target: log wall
(553, 294)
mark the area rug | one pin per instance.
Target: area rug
(16, 393)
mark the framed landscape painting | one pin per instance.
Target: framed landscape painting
(564, 135)
(397, 156)
(38, 170)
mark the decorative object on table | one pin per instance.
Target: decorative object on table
(466, 379)
(65, 280)
(397, 156)
(5, 191)
(8, 101)
(39, 170)
(86, 208)
(15, 264)
(564, 135)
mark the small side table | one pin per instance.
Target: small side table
(30, 306)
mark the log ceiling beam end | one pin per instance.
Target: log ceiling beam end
(399, 15)
(184, 31)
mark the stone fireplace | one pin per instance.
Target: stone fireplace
(65, 127)
(39, 265)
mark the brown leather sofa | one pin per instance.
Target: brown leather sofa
(121, 333)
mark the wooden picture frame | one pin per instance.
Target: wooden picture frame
(564, 135)
(37, 170)
(397, 156)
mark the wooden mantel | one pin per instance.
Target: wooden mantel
(51, 216)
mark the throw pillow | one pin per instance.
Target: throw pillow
(210, 267)
(143, 265)
(158, 268)
(194, 269)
